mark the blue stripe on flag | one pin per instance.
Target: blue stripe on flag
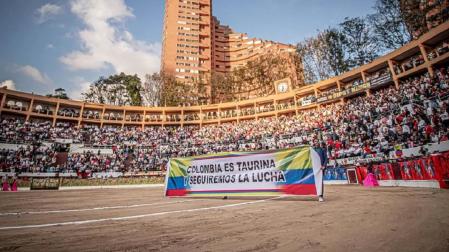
(176, 183)
(299, 176)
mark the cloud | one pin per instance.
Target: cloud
(47, 12)
(34, 74)
(105, 43)
(80, 85)
(50, 46)
(9, 84)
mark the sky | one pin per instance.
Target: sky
(49, 44)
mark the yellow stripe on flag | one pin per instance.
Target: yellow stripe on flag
(293, 159)
(178, 167)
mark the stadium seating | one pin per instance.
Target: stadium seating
(399, 101)
(413, 115)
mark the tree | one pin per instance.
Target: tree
(96, 92)
(390, 28)
(334, 48)
(127, 85)
(323, 56)
(176, 93)
(221, 87)
(151, 89)
(169, 90)
(360, 44)
(118, 90)
(200, 90)
(59, 93)
(414, 17)
(257, 77)
(304, 50)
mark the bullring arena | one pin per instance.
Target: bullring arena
(353, 218)
(84, 176)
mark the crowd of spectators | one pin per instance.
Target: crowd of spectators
(413, 115)
(28, 159)
(410, 63)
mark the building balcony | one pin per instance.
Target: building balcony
(204, 2)
(204, 13)
(202, 56)
(204, 22)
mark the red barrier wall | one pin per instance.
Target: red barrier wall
(433, 167)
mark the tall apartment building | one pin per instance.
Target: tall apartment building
(233, 49)
(195, 43)
(186, 50)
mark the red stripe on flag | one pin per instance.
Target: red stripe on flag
(300, 189)
(176, 192)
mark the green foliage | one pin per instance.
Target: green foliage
(390, 28)
(178, 93)
(335, 51)
(414, 17)
(323, 56)
(59, 93)
(120, 89)
(359, 41)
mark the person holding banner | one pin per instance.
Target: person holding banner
(322, 153)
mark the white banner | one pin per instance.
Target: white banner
(290, 171)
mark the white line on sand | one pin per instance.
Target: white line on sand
(135, 216)
(93, 209)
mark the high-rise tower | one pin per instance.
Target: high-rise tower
(186, 51)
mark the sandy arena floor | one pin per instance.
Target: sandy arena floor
(352, 219)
